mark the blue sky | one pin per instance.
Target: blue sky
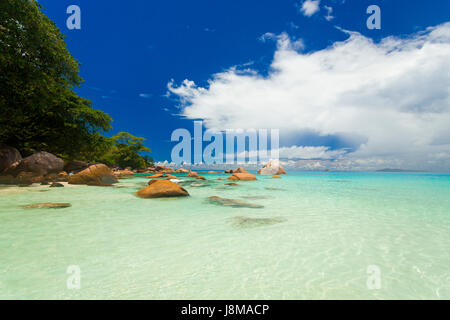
(130, 52)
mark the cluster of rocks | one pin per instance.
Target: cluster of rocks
(273, 167)
(162, 182)
(162, 169)
(37, 168)
(48, 169)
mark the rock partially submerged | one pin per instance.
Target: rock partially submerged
(275, 189)
(276, 177)
(193, 174)
(242, 176)
(240, 170)
(95, 175)
(273, 167)
(47, 205)
(256, 197)
(197, 184)
(123, 173)
(246, 222)
(162, 189)
(56, 185)
(170, 176)
(157, 175)
(232, 203)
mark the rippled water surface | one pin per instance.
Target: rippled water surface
(314, 238)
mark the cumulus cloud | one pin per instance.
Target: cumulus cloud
(145, 95)
(310, 7)
(395, 94)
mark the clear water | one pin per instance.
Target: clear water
(333, 227)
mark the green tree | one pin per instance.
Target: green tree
(38, 108)
(127, 151)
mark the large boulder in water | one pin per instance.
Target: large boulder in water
(41, 163)
(8, 156)
(95, 175)
(242, 176)
(162, 189)
(273, 167)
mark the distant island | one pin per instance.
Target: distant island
(396, 170)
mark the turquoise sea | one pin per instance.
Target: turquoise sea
(316, 237)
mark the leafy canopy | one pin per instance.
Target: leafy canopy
(126, 151)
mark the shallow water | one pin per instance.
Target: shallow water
(315, 238)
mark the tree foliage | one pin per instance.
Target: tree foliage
(127, 151)
(39, 109)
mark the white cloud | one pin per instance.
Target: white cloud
(307, 152)
(310, 7)
(329, 15)
(283, 40)
(145, 95)
(395, 94)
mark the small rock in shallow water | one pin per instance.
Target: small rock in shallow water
(48, 205)
(256, 197)
(24, 185)
(198, 184)
(275, 189)
(246, 222)
(232, 184)
(56, 185)
(232, 203)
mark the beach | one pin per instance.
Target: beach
(308, 235)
